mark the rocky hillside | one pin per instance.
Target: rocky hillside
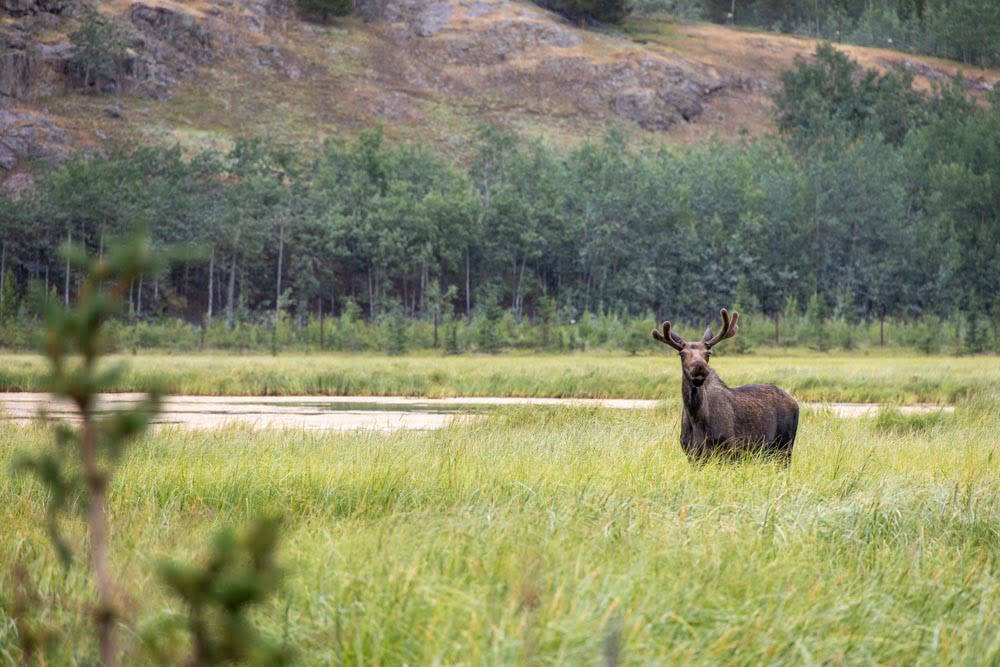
(202, 72)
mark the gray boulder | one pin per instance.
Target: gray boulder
(421, 17)
(164, 29)
(18, 8)
(29, 69)
(27, 136)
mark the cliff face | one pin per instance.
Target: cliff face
(201, 72)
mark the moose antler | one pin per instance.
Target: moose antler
(668, 337)
(729, 329)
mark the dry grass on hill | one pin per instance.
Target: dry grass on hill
(344, 77)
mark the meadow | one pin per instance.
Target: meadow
(559, 536)
(898, 376)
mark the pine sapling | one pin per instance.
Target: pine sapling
(84, 454)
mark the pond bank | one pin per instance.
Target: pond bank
(348, 413)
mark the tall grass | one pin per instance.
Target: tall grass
(553, 536)
(893, 378)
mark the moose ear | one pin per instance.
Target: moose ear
(708, 335)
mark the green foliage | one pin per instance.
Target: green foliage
(876, 203)
(828, 97)
(815, 331)
(960, 29)
(974, 340)
(452, 345)
(928, 333)
(100, 48)
(636, 336)
(237, 574)
(965, 30)
(392, 331)
(681, 9)
(9, 298)
(324, 9)
(605, 11)
(82, 458)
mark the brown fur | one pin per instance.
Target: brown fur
(724, 422)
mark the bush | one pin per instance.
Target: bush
(583, 11)
(815, 330)
(324, 9)
(99, 50)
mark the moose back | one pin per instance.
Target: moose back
(729, 422)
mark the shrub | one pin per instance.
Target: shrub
(324, 9)
(583, 11)
(99, 50)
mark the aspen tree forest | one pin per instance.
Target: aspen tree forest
(875, 203)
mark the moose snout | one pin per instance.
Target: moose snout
(698, 374)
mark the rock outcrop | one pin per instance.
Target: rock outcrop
(170, 45)
(30, 69)
(166, 45)
(421, 17)
(535, 61)
(18, 8)
(28, 136)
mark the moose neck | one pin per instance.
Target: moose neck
(695, 398)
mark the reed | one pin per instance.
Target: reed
(891, 378)
(557, 535)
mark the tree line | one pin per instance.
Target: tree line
(876, 201)
(963, 30)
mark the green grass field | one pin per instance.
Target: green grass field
(894, 378)
(558, 535)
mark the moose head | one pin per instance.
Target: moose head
(729, 422)
(695, 356)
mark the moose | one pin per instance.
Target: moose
(723, 422)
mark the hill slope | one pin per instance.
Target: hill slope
(201, 73)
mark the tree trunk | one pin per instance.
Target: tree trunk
(777, 333)
(3, 271)
(520, 289)
(437, 316)
(423, 286)
(97, 523)
(322, 340)
(281, 258)
(881, 329)
(138, 299)
(230, 297)
(211, 287)
(513, 288)
(371, 295)
(468, 286)
(69, 240)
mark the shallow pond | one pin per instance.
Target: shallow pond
(346, 413)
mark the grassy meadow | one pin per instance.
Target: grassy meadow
(557, 536)
(894, 377)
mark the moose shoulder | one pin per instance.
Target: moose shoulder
(729, 422)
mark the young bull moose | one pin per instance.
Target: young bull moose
(730, 423)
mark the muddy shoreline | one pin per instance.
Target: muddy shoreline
(348, 413)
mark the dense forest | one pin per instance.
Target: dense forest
(964, 30)
(875, 202)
